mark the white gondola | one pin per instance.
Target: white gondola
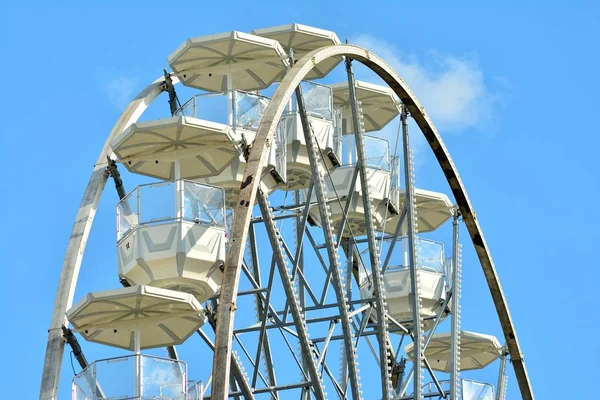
(298, 40)
(379, 185)
(338, 183)
(290, 134)
(173, 235)
(135, 318)
(433, 209)
(433, 273)
(230, 63)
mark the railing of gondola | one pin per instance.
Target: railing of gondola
(431, 255)
(471, 389)
(249, 108)
(377, 152)
(195, 390)
(318, 100)
(154, 204)
(113, 378)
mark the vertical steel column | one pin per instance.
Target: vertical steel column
(349, 250)
(300, 322)
(138, 388)
(299, 263)
(231, 120)
(415, 300)
(380, 304)
(501, 386)
(455, 328)
(334, 262)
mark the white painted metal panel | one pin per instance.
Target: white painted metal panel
(163, 317)
(177, 255)
(476, 351)
(253, 62)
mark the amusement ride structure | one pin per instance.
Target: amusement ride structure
(289, 240)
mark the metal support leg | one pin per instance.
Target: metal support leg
(455, 328)
(501, 386)
(386, 381)
(299, 227)
(415, 301)
(334, 262)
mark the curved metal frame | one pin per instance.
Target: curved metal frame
(242, 215)
(78, 241)
(247, 198)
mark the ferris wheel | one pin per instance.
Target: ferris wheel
(288, 241)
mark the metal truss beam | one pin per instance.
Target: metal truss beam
(334, 264)
(415, 300)
(297, 314)
(380, 305)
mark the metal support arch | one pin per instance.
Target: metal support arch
(247, 197)
(78, 241)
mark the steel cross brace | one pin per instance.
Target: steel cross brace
(300, 274)
(260, 292)
(298, 258)
(263, 323)
(256, 366)
(276, 245)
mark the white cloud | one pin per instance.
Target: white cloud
(452, 89)
(120, 91)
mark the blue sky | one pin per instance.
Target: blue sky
(511, 85)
